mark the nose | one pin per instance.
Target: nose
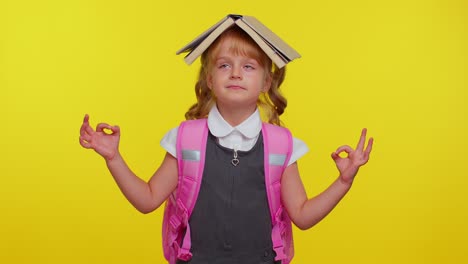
(236, 72)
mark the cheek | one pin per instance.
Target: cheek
(262, 82)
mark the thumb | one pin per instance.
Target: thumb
(115, 130)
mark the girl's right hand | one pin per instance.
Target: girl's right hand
(105, 144)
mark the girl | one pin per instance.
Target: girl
(236, 81)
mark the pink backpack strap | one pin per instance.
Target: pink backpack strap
(278, 150)
(191, 148)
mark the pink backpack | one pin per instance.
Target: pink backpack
(191, 146)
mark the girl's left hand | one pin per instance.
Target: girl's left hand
(349, 166)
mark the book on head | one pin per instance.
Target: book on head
(275, 48)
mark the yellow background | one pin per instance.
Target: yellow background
(396, 67)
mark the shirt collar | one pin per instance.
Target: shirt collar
(219, 127)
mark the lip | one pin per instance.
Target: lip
(235, 87)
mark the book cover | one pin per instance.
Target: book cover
(275, 48)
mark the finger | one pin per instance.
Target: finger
(362, 140)
(86, 137)
(86, 118)
(86, 130)
(115, 130)
(85, 127)
(369, 146)
(84, 143)
(344, 148)
(101, 126)
(335, 156)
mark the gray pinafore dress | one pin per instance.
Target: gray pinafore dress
(230, 223)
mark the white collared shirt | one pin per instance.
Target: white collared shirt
(242, 137)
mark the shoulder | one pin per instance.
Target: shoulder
(169, 141)
(299, 147)
(275, 130)
(194, 123)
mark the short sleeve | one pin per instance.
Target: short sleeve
(168, 142)
(299, 150)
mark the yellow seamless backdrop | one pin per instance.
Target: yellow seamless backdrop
(396, 67)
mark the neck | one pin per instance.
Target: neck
(235, 115)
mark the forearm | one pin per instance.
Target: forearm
(316, 208)
(136, 190)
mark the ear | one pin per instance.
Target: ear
(268, 80)
(209, 80)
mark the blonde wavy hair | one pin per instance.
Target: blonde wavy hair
(271, 104)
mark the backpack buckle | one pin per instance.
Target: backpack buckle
(279, 250)
(184, 254)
